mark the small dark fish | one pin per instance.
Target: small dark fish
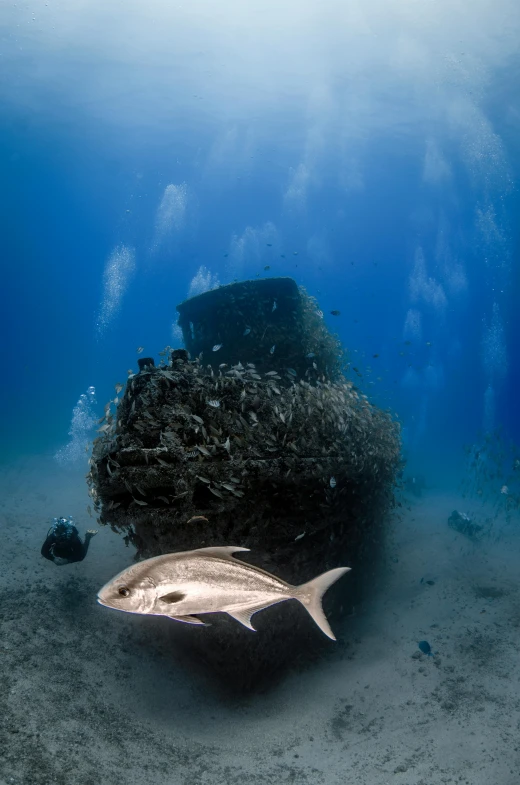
(375, 355)
(198, 519)
(336, 313)
(267, 267)
(425, 648)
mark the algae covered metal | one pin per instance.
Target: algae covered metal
(270, 323)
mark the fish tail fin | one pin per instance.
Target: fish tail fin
(310, 595)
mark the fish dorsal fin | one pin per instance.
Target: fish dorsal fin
(221, 551)
(186, 619)
(243, 614)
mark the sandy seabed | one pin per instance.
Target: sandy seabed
(89, 696)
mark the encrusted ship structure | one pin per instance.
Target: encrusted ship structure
(252, 436)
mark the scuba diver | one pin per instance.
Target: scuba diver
(63, 544)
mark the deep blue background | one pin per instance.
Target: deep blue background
(77, 182)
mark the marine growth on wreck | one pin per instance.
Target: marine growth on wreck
(239, 443)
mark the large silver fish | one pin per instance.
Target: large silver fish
(210, 580)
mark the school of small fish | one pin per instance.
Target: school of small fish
(255, 414)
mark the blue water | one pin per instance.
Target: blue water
(358, 162)
(368, 150)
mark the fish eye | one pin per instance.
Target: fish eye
(123, 591)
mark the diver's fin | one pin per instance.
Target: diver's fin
(310, 595)
(186, 619)
(244, 613)
(222, 551)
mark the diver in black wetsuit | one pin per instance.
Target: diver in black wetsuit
(63, 544)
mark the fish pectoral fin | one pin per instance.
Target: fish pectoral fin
(243, 614)
(186, 619)
(173, 597)
(222, 551)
